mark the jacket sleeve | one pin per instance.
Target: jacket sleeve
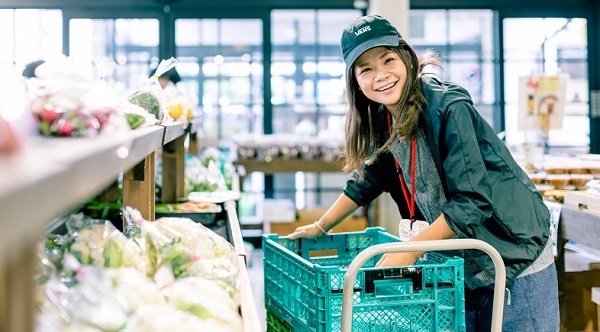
(468, 185)
(365, 191)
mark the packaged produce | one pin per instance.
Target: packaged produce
(150, 96)
(67, 104)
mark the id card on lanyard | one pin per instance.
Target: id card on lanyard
(409, 228)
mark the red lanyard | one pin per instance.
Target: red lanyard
(413, 173)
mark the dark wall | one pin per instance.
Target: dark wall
(203, 4)
(256, 4)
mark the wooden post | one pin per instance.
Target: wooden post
(173, 171)
(138, 187)
(193, 144)
(17, 304)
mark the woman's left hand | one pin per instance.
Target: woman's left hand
(398, 259)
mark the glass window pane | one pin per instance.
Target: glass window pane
(33, 34)
(425, 27)
(464, 41)
(552, 46)
(307, 71)
(227, 69)
(519, 45)
(472, 27)
(131, 43)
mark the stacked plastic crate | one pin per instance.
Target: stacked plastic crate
(304, 281)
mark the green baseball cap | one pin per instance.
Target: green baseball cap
(365, 33)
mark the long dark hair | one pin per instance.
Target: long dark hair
(364, 141)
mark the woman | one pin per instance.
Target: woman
(421, 140)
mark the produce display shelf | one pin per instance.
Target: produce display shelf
(52, 176)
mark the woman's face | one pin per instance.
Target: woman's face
(381, 75)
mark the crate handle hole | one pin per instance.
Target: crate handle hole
(323, 253)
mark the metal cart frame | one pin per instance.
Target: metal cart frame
(434, 245)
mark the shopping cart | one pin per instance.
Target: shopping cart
(416, 246)
(312, 285)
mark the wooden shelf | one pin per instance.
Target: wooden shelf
(52, 176)
(173, 131)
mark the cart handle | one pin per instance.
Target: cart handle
(434, 245)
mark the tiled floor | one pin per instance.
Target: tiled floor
(255, 273)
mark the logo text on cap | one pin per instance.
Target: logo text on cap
(362, 30)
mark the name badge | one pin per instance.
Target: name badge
(408, 229)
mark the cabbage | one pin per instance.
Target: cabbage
(205, 300)
(149, 101)
(102, 245)
(133, 289)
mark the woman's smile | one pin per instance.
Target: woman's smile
(387, 87)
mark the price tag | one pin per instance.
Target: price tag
(408, 231)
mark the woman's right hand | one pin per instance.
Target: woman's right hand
(310, 231)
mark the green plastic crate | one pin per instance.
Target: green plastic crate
(304, 281)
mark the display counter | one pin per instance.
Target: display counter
(52, 176)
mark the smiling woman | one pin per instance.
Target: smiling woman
(422, 140)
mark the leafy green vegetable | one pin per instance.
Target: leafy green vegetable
(148, 101)
(113, 255)
(196, 309)
(134, 120)
(152, 253)
(81, 257)
(175, 255)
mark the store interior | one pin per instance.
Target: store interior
(117, 114)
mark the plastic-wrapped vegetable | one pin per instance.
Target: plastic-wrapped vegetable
(205, 300)
(148, 100)
(133, 289)
(160, 318)
(218, 270)
(151, 97)
(91, 303)
(67, 104)
(198, 239)
(199, 178)
(99, 243)
(189, 242)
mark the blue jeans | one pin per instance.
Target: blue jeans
(533, 304)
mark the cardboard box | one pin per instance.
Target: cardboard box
(305, 217)
(581, 312)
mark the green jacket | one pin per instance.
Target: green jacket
(489, 197)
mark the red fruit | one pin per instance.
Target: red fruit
(65, 128)
(48, 115)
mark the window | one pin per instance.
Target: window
(131, 43)
(308, 93)
(225, 66)
(464, 41)
(551, 46)
(29, 35)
